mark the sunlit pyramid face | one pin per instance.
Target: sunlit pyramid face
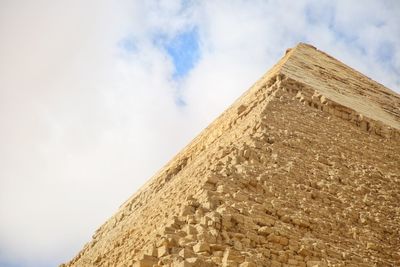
(302, 170)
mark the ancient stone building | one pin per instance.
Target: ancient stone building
(302, 170)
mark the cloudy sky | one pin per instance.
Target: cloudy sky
(97, 95)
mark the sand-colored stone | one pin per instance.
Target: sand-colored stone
(302, 170)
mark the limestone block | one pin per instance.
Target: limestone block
(241, 109)
(253, 236)
(201, 247)
(264, 221)
(274, 238)
(247, 264)
(146, 261)
(169, 242)
(265, 252)
(215, 216)
(316, 264)
(97, 260)
(182, 263)
(168, 230)
(323, 100)
(303, 251)
(212, 179)
(231, 255)
(217, 248)
(300, 222)
(283, 241)
(211, 203)
(197, 262)
(216, 260)
(186, 253)
(283, 258)
(265, 231)
(152, 251)
(190, 229)
(334, 254)
(238, 218)
(163, 251)
(293, 245)
(239, 196)
(373, 246)
(237, 244)
(222, 189)
(229, 263)
(205, 221)
(187, 210)
(275, 263)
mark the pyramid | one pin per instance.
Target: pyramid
(302, 170)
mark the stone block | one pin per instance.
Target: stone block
(183, 263)
(316, 264)
(212, 179)
(163, 251)
(283, 241)
(303, 251)
(146, 261)
(264, 221)
(247, 264)
(187, 210)
(201, 247)
(265, 231)
(274, 238)
(231, 255)
(186, 253)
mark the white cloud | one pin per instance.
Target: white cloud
(84, 122)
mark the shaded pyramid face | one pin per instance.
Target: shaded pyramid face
(302, 170)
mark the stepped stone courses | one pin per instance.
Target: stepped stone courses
(302, 170)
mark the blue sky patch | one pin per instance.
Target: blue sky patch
(179, 101)
(385, 52)
(320, 14)
(184, 51)
(10, 264)
(127, 45)
(385, 55)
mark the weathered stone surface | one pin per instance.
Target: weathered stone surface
(302, 170)
(201, 247)
(146, 261)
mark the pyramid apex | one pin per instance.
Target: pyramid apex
(313, 68)
(300, 45)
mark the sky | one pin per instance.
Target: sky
(96, 96)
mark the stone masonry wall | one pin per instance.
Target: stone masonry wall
(286, 177)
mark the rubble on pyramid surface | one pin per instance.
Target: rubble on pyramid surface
(302, 170)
